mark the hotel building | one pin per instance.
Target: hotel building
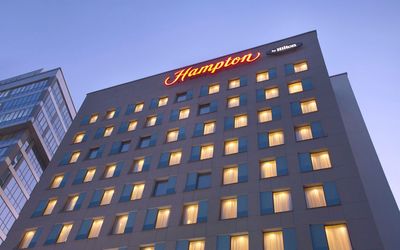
(36, 111)
(260, 149)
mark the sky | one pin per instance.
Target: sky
(100, 43)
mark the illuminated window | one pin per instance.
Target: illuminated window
(299, 67)
(197, 245)
(338, 237)
(233, 102)
(271, 93)
(213, 89)
(57, 181)
(108, 131)
(93, 118)
(206, 152)
(308, 106)
(282, 201)
(71, 203)
(175, 158)
(303, 133)
(228, 209)
(262, 76)
(240, 242)
(27, 239)
(209, 128)
(120, 224)
(110, 170)
(138, 165)
(276, 138)
(230, 176)
(190, 214)
(137, 191)
(65, 230)
(151, 121)
(184, 113)
(273, 240)
(295, 87)
(95, 228)
(235, 83)
(74, 157)
(89, 175)
(240, 121)
(132, 125)
(268, 169)
(50, 206)
(147, 248)
(139, 107)
(162, 218)
(315, 196)
(264, 115)
(107, 196)
(79, 137)
(231, 147)
(172, 135)
(162, 101)
(320, 160)
(110, 114)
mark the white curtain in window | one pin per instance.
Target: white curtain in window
(197, 245)
(308, 106)
(228, 209)
(95, 229)
(138, 165)
(338, 237)
(184, 113)
(172, 136)
(271, 93)
(265, 116)
(263, 76)
(320, 160)
(315, 197)
(230, 175)
(273, 241)
(107, 196)
(234, 83)
(151, 121)
(175, 158)
(71, 203)
(231, 147)
(89, 175)
(138, 107)
(240, 242)
(209, 128)
(282, 201)
(137, 191)
(295, 87)
(26, 240)
(213, 89)
(233, 102)
(303, 133)
(162, 218)
(275, 138)
(132, 125)
(300, 67)
(190, 216)
(240, 121)
(50, 206)
(268, 169)
(57, 181)
(63, 236)
(207, 152)
(120, 224)
(109, 171)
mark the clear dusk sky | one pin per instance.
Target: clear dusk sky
(101, 43)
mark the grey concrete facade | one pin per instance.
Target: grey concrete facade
(361, 208)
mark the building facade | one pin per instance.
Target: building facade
(260, 149)
(35, 112)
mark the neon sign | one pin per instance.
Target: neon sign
(212, 68)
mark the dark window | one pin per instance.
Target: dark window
(204, 109)
(93, 153)
(125, 146)
(161, 188)
(144, 142)
(203, 180)
(181, 97)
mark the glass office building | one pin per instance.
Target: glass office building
(260, 149)
(35, 112)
